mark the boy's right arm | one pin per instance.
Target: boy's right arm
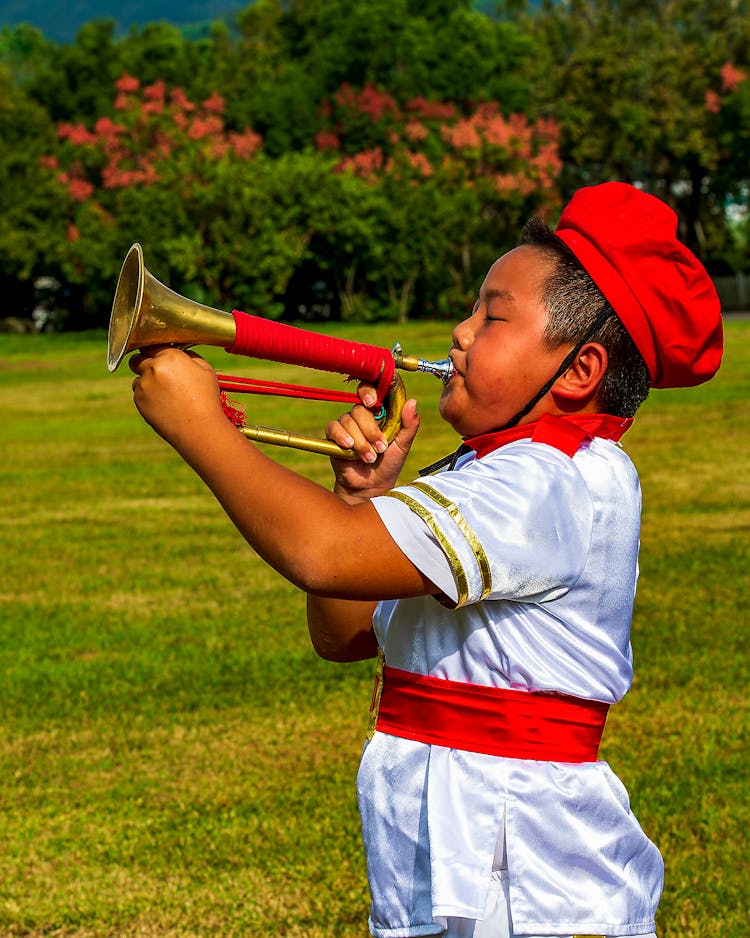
(333, 545)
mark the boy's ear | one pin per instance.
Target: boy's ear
(581, 381)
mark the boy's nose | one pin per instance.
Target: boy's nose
(462, 334)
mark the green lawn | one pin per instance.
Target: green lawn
(176, 761)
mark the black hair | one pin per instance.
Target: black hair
(574, 304)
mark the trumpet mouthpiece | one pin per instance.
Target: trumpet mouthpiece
(442, 369)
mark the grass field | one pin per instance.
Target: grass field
(175, 760)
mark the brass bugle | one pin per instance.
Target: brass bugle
(145, 313)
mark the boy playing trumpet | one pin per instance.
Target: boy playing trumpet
(498, 590)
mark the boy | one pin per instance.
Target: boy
(499, 590)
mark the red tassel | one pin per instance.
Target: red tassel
(234, 413)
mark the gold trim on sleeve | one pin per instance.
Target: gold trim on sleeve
(463, 526)
(459, 574)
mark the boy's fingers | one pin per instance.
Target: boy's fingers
(359, 431)
(367, 394)
(200, 360)
(338, 434)
(409, 426)
(137, 361)
(370, 431)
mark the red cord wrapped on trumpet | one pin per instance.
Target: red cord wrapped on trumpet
(275, 341)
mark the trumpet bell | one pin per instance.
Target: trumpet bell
(145, 312)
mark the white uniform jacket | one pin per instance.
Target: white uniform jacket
(535, 551)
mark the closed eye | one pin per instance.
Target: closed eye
(497, 302)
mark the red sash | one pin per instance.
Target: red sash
(516, 724)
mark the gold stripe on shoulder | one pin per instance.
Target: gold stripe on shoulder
(459, 574)
(465, 529)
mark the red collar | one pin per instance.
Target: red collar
(564, 433)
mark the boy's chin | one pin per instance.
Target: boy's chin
(468, 429)
(454, 420)
(446, 411)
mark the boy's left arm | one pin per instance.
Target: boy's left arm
(341, 629)
(314, 538)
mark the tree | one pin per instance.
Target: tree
(32, 212)
(453, 189)
(292, 55)
(728, 239)
(75, 80)
(627, 82)
(168, 173)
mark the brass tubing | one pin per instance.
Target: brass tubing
(390, 425)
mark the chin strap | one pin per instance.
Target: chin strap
(446, 462)
(566, 363)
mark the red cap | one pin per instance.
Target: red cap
(627, 241)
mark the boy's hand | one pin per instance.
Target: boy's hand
(176, 393)
(378, 467)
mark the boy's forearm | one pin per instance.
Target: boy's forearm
(283, 516)
(311, 536)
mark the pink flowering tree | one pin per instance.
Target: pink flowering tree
(454, 188)
(396, 208)
(166, 171)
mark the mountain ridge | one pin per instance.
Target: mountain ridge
(61, 22)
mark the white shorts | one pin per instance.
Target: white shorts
(497, 921)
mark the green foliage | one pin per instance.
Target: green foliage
(167, 173)
(657, 94)
(31, 211)
(450, 188)
(380, 229)
(632, 86)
